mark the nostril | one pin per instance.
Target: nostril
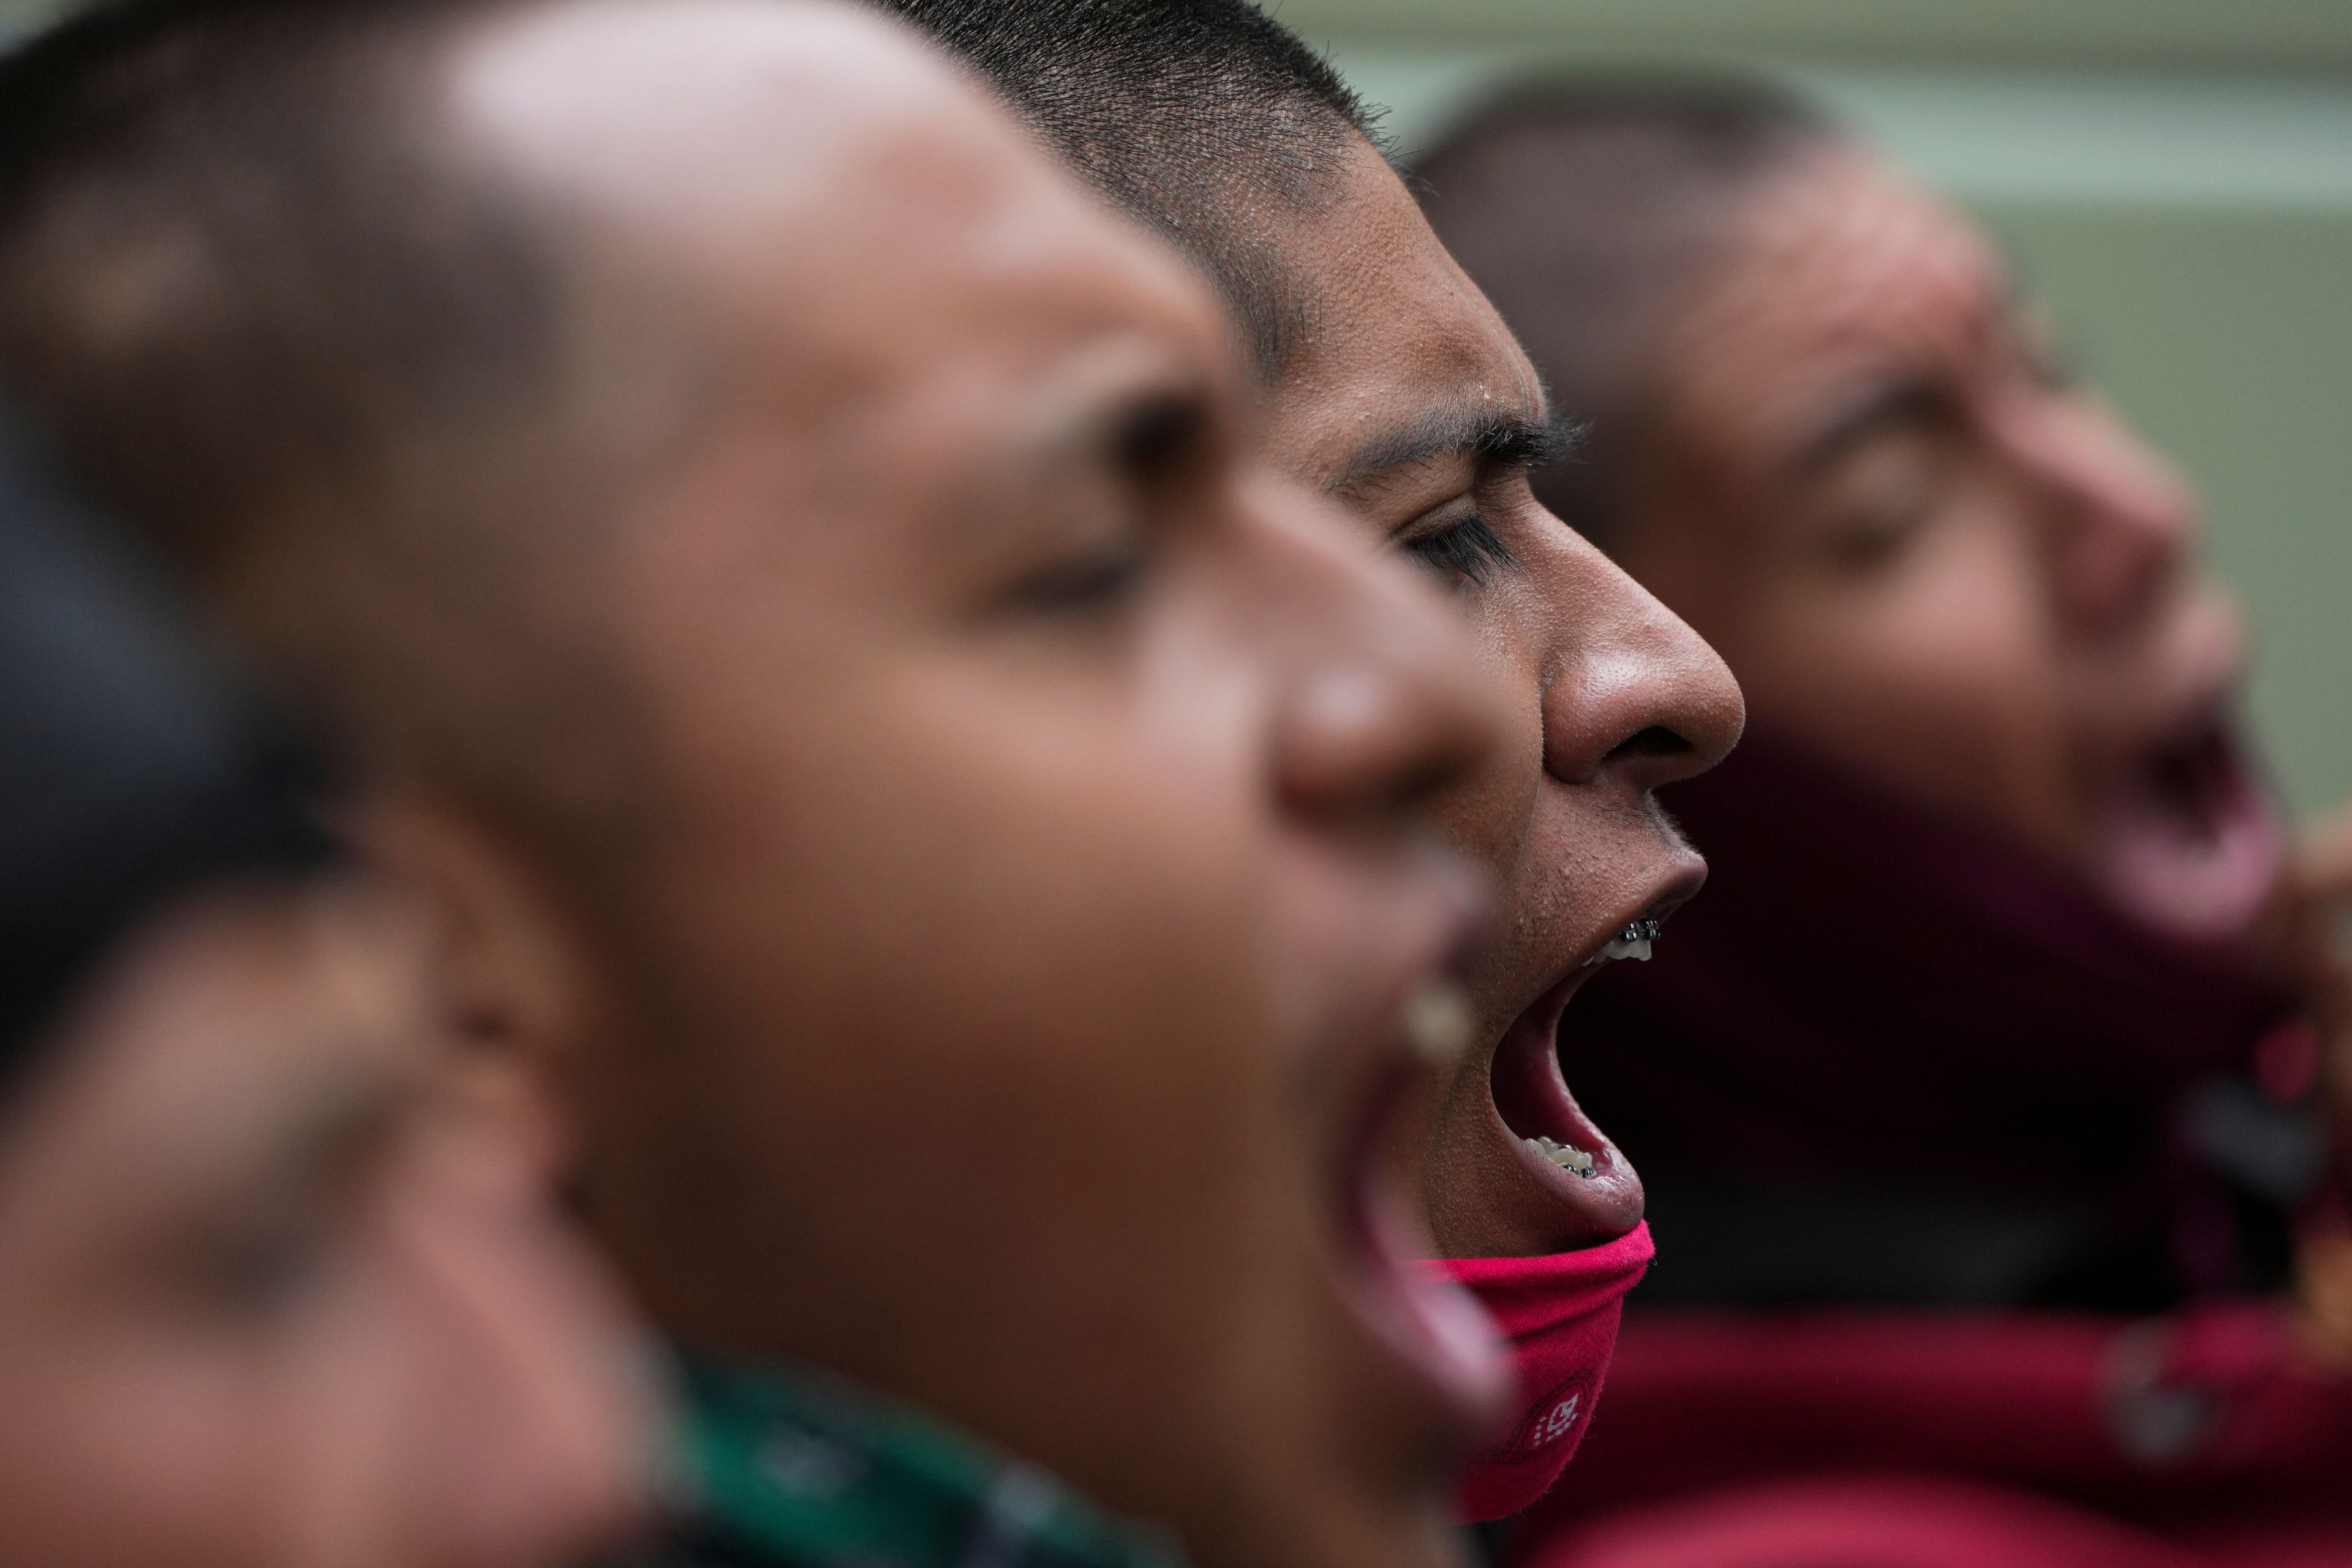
(1657, 741)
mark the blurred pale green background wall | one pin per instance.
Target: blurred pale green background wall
(2175, 177)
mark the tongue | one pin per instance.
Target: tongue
(2194, 847)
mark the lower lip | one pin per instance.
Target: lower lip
(1531, 1097)
(1432, 1324)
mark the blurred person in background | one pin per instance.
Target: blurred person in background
(1979, 1102)
(1388, 383)
(272, 1294)
(950, 830)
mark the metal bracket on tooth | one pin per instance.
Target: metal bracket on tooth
(1566, 1156)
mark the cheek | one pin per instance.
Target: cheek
(1034, 940)
(1939, 675)
(111, 1441)
(1490, 815)
(1070, 878)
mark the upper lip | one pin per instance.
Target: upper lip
(2185, 684)
(1681, 888)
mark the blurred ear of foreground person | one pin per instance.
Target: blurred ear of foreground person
(1983, 1042)
(948, 827)
(271, 1296)
(1388, 384)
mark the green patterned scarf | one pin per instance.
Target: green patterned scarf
(780, 1468)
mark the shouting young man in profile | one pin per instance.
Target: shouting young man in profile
(1391, 385)
(948, 827)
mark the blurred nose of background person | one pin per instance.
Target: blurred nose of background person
(2122, 524)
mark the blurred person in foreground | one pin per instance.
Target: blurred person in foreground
(948, 827)
(271, 1294)
(1979, 1102)
(1388, 383)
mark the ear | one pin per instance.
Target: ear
(512, 976)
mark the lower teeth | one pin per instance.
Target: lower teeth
(1566, 1156)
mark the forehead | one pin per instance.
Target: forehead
(844, 215)
(763, 148)
(1842, 267)
(1397, 332)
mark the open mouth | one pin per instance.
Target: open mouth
(2190, 843)
(1433, 1324)
(1597, 1190)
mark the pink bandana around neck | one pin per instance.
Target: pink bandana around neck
(1560, 1315)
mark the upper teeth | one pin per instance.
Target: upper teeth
(1632, 942)
(1566, 1156)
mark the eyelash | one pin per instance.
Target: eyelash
(1469, 551)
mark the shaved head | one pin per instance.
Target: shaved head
(1207, 121)
(1588, 211)
(348, 363)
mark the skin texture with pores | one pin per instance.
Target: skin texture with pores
(1394, 405)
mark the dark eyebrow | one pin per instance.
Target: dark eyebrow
(321, 1128)
(1135, 418)
(1159, 427)
(1912, 400)
(335, 1124)
(1140, 418)
(1503, 439)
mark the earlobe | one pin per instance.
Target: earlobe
(511, 978)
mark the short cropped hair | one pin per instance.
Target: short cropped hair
(1588, 208)
(1195, 116)
(337, 372)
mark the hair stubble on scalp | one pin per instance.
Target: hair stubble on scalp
(1590, 208)
(366, 391)
(1206, 119)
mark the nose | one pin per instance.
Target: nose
(1385, 705)
(2120, 523)
(1631, 695)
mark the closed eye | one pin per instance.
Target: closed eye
(1468, 552)
(1094, 581)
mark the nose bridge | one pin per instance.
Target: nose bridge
(2119, 522)
(1383, 702)
(1629, 689)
